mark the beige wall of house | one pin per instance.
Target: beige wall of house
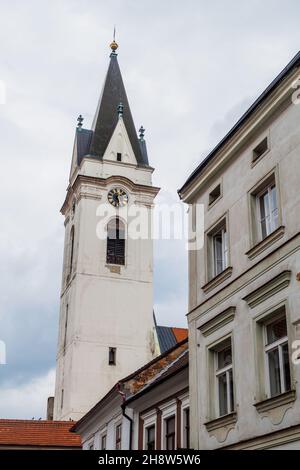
(243, 279)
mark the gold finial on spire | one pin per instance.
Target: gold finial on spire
(114, 46)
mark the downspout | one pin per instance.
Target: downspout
(123, 406)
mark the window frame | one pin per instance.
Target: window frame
(118, 440)
(218, 373)
(254, 158)
(261, 372)
(113, 350)
(149, 419)
(255, 237)
(212, 384)
(121, 226)
(211, 203)
(221, 223)
(147, 428)
(276, 345)
(103, 435)
(172, 434)
(267, 190)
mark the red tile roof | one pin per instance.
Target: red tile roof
(180, 333)
(32, 433)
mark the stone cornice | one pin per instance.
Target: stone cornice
(95, 182)
(267, 290)
(217, 322)
(264, 265)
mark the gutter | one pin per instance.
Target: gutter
(123, 406)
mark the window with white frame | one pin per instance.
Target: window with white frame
(150, 437)
(224, 378)
(118, 443)
(267, 210)
(277, 356)
(219, 247)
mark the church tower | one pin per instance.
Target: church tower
(106, 308)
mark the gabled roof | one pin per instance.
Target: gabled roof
(33, 433)
(292, 65)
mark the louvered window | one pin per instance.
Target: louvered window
(115, 242)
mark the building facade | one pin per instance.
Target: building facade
(244, 283)
(148, 410)
(106, 311)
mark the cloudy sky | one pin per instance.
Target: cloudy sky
(191, 68)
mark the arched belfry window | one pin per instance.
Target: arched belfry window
(115, 253)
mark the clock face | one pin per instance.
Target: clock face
(117, 197)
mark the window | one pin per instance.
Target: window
(260, 149)
(267, 208)
(277, 356)
(150, 437)
(186, 428)
(115, 242)
(118, 436)
(62, 399)
(112, 353)
(103, 442)
(214, 195)
(170, 433)
(220, 251)
(119, 157)
(224, 379)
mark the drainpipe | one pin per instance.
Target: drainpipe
(123, 406)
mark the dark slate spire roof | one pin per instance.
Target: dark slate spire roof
(106, 117)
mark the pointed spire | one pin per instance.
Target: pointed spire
(114, 104)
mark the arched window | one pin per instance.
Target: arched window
(115, 253)
(71, 249)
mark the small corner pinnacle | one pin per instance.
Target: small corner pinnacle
(79, 122)
(120, 109)
(141, 133)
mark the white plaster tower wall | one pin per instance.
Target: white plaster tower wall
(103, 305)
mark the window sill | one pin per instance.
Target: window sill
(217, 280)
(221, 422)
(114, 268)
(275, 402)
(266, 242)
